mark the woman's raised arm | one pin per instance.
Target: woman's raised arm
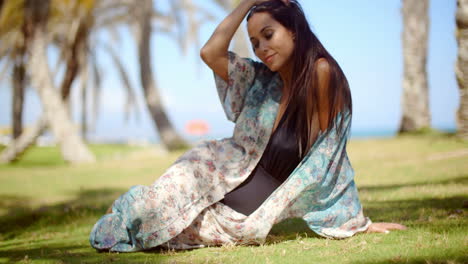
(215, 52)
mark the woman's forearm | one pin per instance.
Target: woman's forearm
(218, 44)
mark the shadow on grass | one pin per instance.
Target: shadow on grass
(434, 214)
(422, 260)
(78, 254)
(19, 218)
(463, 179)
(289, 229)
(437, 214)
(421, 212)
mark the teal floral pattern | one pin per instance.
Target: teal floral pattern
(181, 208)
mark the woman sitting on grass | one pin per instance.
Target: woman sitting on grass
(287, 157)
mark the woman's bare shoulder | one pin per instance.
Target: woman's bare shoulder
(322, 65)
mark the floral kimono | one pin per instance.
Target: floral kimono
(181, 209)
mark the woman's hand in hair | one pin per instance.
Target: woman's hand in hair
(384, 227)
(215, 51)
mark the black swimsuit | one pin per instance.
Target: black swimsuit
(280, 158)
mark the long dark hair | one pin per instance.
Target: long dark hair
(302, 103)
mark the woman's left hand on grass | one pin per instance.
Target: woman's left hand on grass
(384, 227)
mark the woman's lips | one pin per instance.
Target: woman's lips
(269, 58)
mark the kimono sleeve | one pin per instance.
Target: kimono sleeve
(242, 73)
(328, 201)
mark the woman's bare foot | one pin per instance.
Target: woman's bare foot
(384, 227)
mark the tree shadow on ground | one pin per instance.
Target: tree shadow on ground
(434, 215)
(420, 212)
(437, 214)
(416, 213)
(463, 179)
(289, 229)
(77, 254)
(18, 216)
(421, 260)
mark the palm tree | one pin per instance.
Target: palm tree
(415, 98)
(13, 23)
(462, 67)
(142, 18)
(19, 82)
(14, 48)
(70, 30)
(167, 133)
(36, 15)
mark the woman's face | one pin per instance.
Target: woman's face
(272, 42)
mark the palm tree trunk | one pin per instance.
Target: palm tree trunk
(72, 147)
(415, 98)
(461, 68)
(18, 146)
(167, 133)
(18, 81)
(74, 47)
(28, 138)
(18, 97)
(84, 97)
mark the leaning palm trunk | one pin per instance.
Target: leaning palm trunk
(72, 147)
(19, 145)
(84, 95)
(19, 82)
(167, 133)
(462, 67)
(18, 97)
(415, 98)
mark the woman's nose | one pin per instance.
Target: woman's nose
(263, 47)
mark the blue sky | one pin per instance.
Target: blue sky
(363, 36)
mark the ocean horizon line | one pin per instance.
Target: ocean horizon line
(355, 134)
(361, 134)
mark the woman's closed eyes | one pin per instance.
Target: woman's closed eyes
(267, 34)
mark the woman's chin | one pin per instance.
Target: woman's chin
(272, 68)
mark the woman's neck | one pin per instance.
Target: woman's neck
(286, 74)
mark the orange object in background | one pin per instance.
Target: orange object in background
(197, 127)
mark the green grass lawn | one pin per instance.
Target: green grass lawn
(48, 208)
